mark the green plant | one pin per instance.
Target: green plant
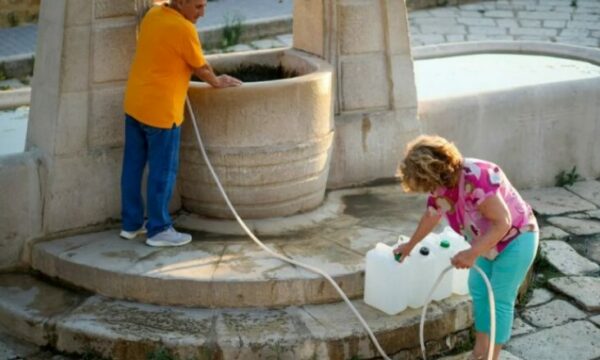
(2, 73)
(574, 3)
(4, 87)
(232, 31)
(565, 178)
(12, 19)
(160, 354)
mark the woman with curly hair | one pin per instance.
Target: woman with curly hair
(478, 202)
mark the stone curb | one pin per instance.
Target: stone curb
(14, 98)
(251, 30)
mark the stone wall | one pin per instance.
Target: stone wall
(425, 4)
(15, 12)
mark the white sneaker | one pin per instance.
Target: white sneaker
(169, 237)
(130, 235)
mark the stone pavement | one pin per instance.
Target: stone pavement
(538, 20)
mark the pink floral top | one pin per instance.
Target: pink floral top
(479, 180)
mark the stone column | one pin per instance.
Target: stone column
(84, 51)
(367, 42)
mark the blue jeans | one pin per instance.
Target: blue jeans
(506, 273)
(160, 149)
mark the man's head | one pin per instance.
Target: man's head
(190, 9)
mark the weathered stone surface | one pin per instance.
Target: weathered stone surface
(595, 319)
(72, 123)
(28, 307)
(539, 296)
(76, 71)
(584, 290)
(554, 313)
(594, 214)
(554, 201)
(566, 260)
(352, 70)
(520, 327)
(356, 38)
(589, 190)
(588, 246)
(106, 125)
(113, 8)
(112, 51)
(125, 330)
(576, 226)
(552, 232)
(576, 340)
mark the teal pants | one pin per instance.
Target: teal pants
(506, 273)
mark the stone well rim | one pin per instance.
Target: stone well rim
(318, 69)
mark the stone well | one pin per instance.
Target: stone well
(270, 142)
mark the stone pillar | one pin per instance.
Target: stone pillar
(367, 42)
(84, 51)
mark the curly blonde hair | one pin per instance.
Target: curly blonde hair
(430, 162)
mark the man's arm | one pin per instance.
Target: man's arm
(206, 74)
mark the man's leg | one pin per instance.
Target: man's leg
(163, 161)
(134, 161)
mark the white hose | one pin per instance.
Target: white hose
(492, 311)
(324, 274)
(267, 249)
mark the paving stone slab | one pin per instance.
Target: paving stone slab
(552, 233)
(576, 224)
(584, 290)
(555, 201)
(504, 355)
(595, 319)
(520, 327)
(588, 246)
(589, 190)
(594, 214)
(576, 340)
(565, 259)
(11, 348)
(539, 296)
(554, 313)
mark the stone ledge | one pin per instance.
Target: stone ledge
(126, 330)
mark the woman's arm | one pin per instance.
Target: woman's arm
(426, 224)
(494, 209)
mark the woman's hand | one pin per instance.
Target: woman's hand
(464, 259)
(227, 81)
(403, 250)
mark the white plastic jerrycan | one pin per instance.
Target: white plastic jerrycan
(387, 282)
(423, 274)
(443, 252)
(460, 278)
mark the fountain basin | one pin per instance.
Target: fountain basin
(270, 142)
(533, 108)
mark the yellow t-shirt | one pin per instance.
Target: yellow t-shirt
(168, 49)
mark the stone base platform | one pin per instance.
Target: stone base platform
(77, 323)
(222, 297)
(231, 271)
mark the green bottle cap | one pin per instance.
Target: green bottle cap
(445, 244)
(397, 257)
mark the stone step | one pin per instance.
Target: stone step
(231, 271)
(87, 324)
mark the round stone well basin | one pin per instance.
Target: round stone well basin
(269, 141)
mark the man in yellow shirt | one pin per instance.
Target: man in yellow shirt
(168, 53)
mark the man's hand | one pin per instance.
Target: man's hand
(224, 81)
(464, 259)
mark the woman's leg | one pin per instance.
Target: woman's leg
(481, 314)
(508, 271)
